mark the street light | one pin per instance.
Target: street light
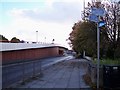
(36, 36)
(45, 39)
(53, 41)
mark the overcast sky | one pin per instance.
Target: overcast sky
(53, 19)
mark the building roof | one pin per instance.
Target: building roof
(21, 46)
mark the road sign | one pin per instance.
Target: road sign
(93, 18)
(101, 23)
(98, 11)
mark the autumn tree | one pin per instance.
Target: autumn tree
(83, 38)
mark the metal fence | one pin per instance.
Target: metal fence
(92, 70)
(20, 72)
(111, 77)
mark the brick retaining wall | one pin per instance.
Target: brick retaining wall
(28, 54)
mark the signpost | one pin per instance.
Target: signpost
(97, 12)
(98, 54)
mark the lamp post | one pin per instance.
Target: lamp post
(45, 39)
(53, 41)
(36, 36)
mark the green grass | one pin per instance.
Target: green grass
(108, 61)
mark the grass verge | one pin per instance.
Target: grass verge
(108, 61)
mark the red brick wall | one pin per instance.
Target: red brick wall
(28, 54)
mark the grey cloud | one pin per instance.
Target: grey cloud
(61, 11)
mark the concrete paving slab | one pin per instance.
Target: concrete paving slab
(74, 79)
(66, 74)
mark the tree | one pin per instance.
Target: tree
(112, 27)
(3, 39)
(83, 38)
(15, 40)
